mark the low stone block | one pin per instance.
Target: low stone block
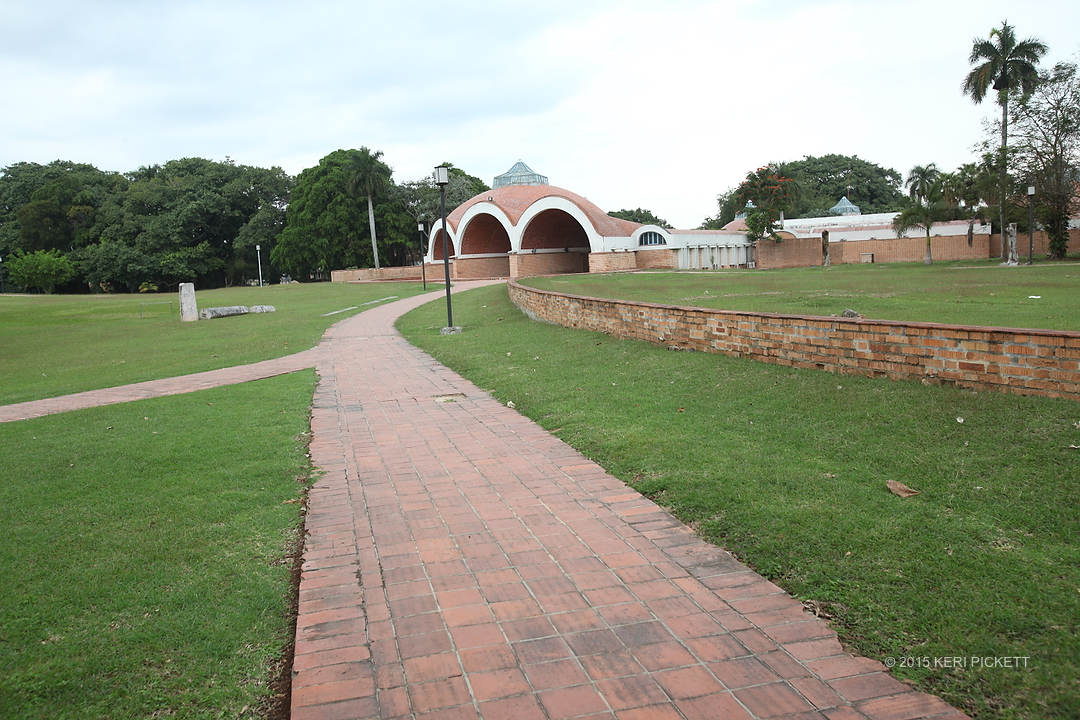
(262, 308)
(220, 312)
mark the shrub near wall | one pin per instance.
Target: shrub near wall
(1030, 362)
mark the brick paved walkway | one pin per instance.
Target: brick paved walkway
(461, 562)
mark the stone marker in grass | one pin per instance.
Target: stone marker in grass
(189, 310)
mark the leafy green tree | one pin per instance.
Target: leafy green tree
(368, 177)
(42, 269)
(52, 206)
(1005, 65)
(963, 192)
(640, 215)
(926, 205)
(321, 222)
(1047, 142)
(823, 180)
(771, 194)
(112, 266)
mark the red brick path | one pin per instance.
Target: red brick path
(158, 388)
(461, 562)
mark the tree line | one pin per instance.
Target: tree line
(1041, 108)
(73, 227)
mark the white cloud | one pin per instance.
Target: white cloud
(659, 105)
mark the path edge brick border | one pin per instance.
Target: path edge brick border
(1015, 360)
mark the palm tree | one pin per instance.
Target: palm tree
(925, 205)
(368, 176)
(1005, 65)
(961, 191)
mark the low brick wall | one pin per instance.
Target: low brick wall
(912, 249)
(1028, 362)
(466, 268)
(522, 264)
(1042, 243)
(602, 262)
(409, 272)
(658, 258)
(790, 252)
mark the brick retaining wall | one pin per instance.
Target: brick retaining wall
(408, 272)
(1028, 362)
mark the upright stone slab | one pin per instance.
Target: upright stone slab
(189, 311)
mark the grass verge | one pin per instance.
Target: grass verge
(55, 345)
(957, 293)
(145, 558)
(787, 468)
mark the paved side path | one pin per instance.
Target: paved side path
(461, 562)
(157, 388)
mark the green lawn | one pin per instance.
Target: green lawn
(146, 553)
(787, 469)
(55, 345)
(958, 293)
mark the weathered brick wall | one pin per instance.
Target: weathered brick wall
(602, 262)
(1042, 243)
(410, 272)
(666, 258)
(472, 268)
(1031, 362)
(789, 252)
(523, 264)
(912, 249)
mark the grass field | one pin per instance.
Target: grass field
(944, 292)
(787, 469)
(55, 345)
(145, 554)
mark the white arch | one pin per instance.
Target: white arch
(429, 256)
(635, 237)
(484, 208)
(553, 203)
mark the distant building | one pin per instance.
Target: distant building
(524, 226)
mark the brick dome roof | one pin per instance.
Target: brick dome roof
(514, 200)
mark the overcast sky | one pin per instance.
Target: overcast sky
(660, 104)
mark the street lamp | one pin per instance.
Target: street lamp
(442, 178)
(1031, 223)
(1, 274)
(258, 254)
(423, 262)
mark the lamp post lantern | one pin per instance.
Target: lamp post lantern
(423, 262)
(442, 178)
(258, 254)
(1031, 223)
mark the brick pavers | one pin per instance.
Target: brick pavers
(461, 562)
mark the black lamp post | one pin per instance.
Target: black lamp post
(442, 178)
(423, 262)
(1031, 223)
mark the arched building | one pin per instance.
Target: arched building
(523, 226)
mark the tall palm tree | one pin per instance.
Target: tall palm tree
(367, 175)
(1005, 65)
(925, 205)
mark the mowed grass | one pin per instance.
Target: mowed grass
(958, 293)
(787, 469)
(145, 558)
(55, 345)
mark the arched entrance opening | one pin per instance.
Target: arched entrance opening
(553, 242)
(485, 248)
(437, 244)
